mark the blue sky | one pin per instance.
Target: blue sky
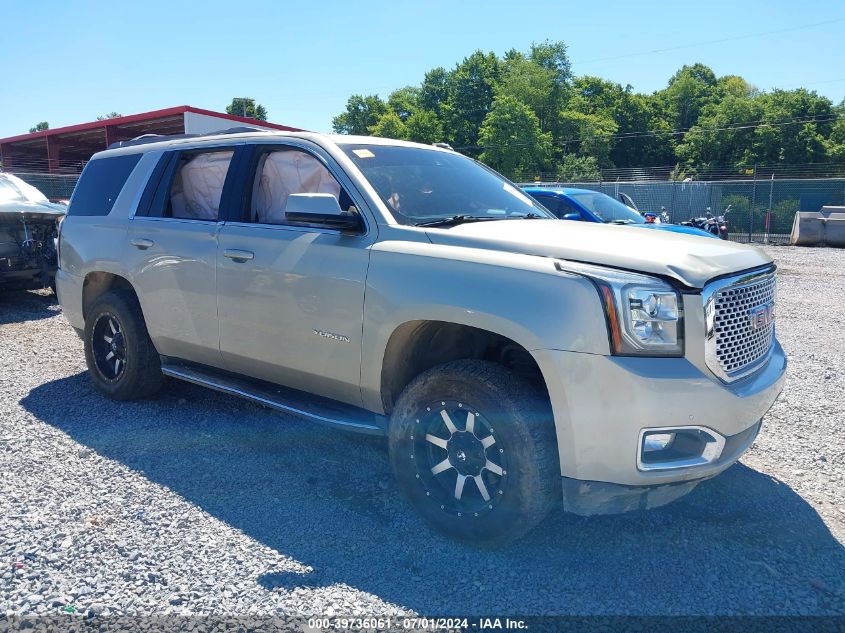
(68, 62)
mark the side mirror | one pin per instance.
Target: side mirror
(320, 209)
(571, 216)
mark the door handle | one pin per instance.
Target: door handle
(237, 255)
(142, 243)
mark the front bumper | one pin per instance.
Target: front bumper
(605, 402)
(598, 497)
(29, 278)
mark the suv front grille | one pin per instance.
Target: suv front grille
(739, 315)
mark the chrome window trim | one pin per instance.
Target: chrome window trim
(305, 228)
(708, 297)
(146, 218)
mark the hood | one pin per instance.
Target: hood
(693, 260)
(13, 211)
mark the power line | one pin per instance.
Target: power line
(718, 41)
(693, 130)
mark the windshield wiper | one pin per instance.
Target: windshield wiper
(619, 222)
(528, 216)
(454, 220)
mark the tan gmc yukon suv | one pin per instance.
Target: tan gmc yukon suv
(512, 360)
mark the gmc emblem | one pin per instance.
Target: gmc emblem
(762, 316)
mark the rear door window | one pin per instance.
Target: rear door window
(101, 182)
(198, 186)
(188, 185)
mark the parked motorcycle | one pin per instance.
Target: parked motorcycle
(657, 218)
(717, 225)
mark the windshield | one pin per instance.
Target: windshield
(607, 209)
(13, 189)
(424, 185)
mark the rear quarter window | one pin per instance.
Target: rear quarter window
(100, 184)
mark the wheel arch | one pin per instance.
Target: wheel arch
(418, 345)
(96, 283)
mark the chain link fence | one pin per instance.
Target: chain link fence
(54, 186)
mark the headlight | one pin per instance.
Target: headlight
(644, 314)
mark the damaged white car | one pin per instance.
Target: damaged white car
(28, 230)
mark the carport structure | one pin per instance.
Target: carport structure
(65, 150)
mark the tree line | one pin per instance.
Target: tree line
(526, 112)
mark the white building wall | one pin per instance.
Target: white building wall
(203, 124)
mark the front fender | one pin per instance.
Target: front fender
(522, 297)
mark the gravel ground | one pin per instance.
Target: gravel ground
(194, 502)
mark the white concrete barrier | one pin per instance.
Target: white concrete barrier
(819, 228)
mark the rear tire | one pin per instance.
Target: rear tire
(473, 447)
(122, 361)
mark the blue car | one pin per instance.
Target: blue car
(586, 205)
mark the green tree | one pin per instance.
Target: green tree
(690, 90)
(470, 97)
(39, 127)
(361, 114)
(641, 136)
(389, 125)
(736, 86)
(644, 136)
(553, 56)
(110, 115)
(434, 91)
(782, 126)
(836, 141)
(423, 126)
(797, 124)
(511, 138)
(526, 81)
(587, 135)
(404, 101)
(723, 135)
(246, 107)
(574, 168)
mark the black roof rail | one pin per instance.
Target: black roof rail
(156, 138)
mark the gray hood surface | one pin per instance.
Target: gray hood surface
(690, 259)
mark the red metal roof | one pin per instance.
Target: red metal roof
(144, 116)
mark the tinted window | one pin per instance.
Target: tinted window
(423, 185)
(559, 206)
(608, 209)
(547, 201)
(565, 206)
(100, 184)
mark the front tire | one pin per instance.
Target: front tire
(473, 447)
(122, 361)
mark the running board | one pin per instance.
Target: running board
(311, 407)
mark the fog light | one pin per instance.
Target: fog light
(678, 447)
(657, 441)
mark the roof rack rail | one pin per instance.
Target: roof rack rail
(155, 138)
